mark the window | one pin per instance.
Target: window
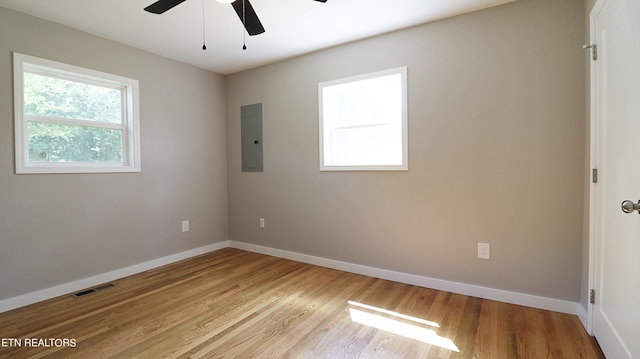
(363, 122)
(70, 119)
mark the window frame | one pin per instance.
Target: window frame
(130, 125)
(404, 166)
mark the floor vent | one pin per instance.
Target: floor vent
(93, 290)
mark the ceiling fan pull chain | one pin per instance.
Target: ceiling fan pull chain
(204, 46)
(244, 25)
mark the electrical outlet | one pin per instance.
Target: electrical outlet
(261, 222)
(185, 226)
(484, 250)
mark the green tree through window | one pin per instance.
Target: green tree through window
(49, 97)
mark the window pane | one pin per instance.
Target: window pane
(64, 143)
(56, 97)
(371, 101)
(367, 146)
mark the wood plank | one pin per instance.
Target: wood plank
(236, 304)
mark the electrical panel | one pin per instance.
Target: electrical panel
(251, 138)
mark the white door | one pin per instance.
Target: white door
(616, 97)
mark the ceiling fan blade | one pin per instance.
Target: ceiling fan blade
(250, 18)
(322, 0)
(161, 6)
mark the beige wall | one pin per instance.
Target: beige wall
(496, 153)
(58, 228)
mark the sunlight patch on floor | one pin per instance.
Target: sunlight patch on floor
(398, 327)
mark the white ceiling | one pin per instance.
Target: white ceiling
(293, 27)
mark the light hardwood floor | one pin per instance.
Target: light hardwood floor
(237, 304)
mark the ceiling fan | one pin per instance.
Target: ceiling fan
(243, 8)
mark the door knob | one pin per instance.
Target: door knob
(629, 206)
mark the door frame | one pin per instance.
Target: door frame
(594, 154)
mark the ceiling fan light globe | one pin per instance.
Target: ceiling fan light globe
(225, 1)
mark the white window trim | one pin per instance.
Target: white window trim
(405, 145)
(131, 130)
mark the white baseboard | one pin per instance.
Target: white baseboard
(528, 300)
(461, 288)
(48, 293)
(583, 315)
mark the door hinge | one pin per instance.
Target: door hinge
(594, 175)
(594, 50)
(592, 296)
